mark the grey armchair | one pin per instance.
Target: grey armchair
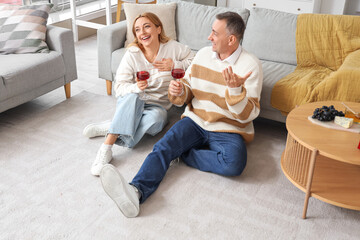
(111, 41)
(24, 77)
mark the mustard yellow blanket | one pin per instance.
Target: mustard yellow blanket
(328, 62)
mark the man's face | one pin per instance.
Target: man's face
(219, 37)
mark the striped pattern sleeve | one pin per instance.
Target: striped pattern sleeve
(186, 97)
(243, 104)
(216, 107)
(215, 102)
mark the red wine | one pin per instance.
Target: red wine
(143, 75)
(178, 73)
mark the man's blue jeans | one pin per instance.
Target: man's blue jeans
(216, 152)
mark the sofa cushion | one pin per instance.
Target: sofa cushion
(328, 55)
(21, 73)
(270, 35)
(273, 72)
(23, 28)
(166, 13)
(194, 22)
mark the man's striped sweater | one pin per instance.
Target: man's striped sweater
(216, 107)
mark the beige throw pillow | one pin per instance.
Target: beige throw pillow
(165, 11)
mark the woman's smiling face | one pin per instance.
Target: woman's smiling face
(146, 32)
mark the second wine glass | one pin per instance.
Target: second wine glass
(178, 70)
(142, 74)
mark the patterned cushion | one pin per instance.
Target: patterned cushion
(23, 28)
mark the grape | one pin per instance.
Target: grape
(326, 113)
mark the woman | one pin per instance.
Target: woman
(142, 105)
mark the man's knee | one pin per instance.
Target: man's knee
(236, 164)
(234, 169)
(234, 156)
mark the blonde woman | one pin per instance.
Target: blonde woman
(142, 105)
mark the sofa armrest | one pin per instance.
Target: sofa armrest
(109, 39)
(61, 40)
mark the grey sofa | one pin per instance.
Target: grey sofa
(24, 77)
(269, 34)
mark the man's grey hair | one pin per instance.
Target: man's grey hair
(235, 25)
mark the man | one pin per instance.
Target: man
(222, 91)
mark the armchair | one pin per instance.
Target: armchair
(24, 77)
(111, 41)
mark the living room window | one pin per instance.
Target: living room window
(63, 4)
(58, 4)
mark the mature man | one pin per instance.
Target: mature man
(222, 91)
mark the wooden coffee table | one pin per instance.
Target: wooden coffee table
(324, 163)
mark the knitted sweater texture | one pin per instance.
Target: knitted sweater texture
(212, 104)
(158, 83)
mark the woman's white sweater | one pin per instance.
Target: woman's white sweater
(158, 83)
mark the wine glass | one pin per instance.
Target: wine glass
(142, 74)
(178, 70)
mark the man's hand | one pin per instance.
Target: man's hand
(233, 80)
(164, 65)
(141, 84)
(176, 88)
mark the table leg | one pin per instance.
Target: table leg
(309, 181)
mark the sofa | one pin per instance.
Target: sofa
(269, 34)
(28, 76)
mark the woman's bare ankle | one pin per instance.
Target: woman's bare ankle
(111, 139)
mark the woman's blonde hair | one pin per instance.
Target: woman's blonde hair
(156, 21)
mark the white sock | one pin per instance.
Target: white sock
(106, 146)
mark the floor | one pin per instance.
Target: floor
(46, 187)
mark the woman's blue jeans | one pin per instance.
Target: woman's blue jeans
(134, 118)
(216, 152)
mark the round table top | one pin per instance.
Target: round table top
(336, 144)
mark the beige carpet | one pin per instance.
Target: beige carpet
(47, 191)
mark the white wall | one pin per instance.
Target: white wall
(327, 6)
(353, 7)
(234, 3)
(204, 2)
(332, 6)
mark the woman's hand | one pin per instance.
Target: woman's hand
(233, 80)
(164, 65)
(176, 88)
(141, 84)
